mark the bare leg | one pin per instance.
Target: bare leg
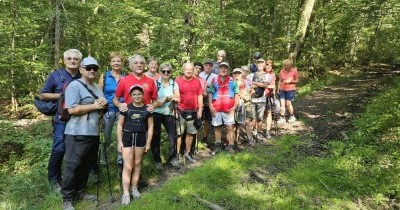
(189, 141)
(138, 153)
(127, 154)
(269, 120)
(249, 128)
(283, 105)
(217, 131)
(230, 136)
(289, 107)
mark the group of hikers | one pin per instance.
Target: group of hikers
(206, 95)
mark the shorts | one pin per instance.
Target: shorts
(259, 109)
(182, 124)
(223, 118)
(207, 114)
(287, 95)
(249, 110)
(134, 139)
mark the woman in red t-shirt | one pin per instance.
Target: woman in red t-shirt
(288, 78)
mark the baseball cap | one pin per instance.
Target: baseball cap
(136, 87)
(208, 61)
(89, 61)
(257, 55)
(224, 64)
(237, 70)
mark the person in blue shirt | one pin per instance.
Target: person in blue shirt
(108, 83)
(51, 91)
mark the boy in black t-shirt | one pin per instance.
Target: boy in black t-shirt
(134, 134)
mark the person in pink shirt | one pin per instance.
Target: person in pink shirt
(190, 107)
(288, 78)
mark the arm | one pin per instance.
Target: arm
(120, 125)
(150, 123)
(200, 105)
(49, 96)
(101, 82)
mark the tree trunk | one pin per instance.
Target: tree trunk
(302, 27)
(14, 102)
(57, 33)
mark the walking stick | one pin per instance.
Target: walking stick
(106, 158)
(176, 119)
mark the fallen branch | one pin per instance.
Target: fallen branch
(210, 205)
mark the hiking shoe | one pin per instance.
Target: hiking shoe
(216, 149)
(292, 119)
(135, 193)
(85, 196)
(189, 158)
(230, 149)
(259, 137)
(174, 163)
(254, 132)
(67, 205)
(268, 135)
(251, 143)
(55, 186)
(281, 120)
(125, 200)
(159, 166)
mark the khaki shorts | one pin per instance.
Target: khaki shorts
(182, 124)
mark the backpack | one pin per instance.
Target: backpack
(63, 113)
(48, 108)
(259, 91)
(216, 87)
(159, 85)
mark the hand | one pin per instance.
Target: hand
(288, 81)
(120, 146)
(199, 113)
(147, 148)
(123, 107)
(150, 108)
(213, 111)
(102, 102)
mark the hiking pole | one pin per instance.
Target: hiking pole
(106, 159)
(176, 118)
(98, 179)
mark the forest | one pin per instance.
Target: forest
(319, 34)
(342, 153)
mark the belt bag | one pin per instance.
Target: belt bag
(188, 114)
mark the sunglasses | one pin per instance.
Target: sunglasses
(165, 72)
(94, 68)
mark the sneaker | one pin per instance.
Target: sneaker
(159, 166)
(125, 200)
(55, 186)
(254, 132)
(189, 158)
(259, 137)
(216, 149)
(85, 196)
(230, 149)
(135, 193)
(174, 163)
(292, 119)
(67, 205)
(268, 135)
(251, 143)
(281, 120)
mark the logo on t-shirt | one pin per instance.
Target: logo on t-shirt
(145, 86)
(135, 116)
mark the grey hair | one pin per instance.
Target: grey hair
(165, 65)
(288, 62)
(73, 51)
(221, 52)
(186, 64)
(152, 59)
(134, 57)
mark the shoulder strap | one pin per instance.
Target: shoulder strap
(89, 90)
(208, 76)
(104, 80)
(158, 85)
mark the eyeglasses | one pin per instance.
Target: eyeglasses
(89, 68)
(165, 72)
(237, 72)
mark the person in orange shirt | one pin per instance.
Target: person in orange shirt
(288, 79)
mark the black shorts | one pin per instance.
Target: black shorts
(134, 139)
